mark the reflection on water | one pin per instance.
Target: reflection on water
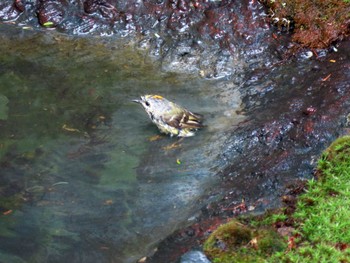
(80, 180)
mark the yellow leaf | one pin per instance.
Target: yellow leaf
(48, 23)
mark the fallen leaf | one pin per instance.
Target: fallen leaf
(66, 128)
(291, 243)
(341, 246)
(254, 243)
(108, 202)
(48, 23)
(178, 161)
(326, 78)
(171, 146)
(154, 138)
(104, 248)
(59, 183)
(142, 260)
(7, 212)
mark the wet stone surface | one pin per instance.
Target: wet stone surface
(294, 112)
(211, 38)
(109, 192)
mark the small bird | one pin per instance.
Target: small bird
(169, 117)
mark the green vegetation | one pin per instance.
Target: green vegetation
(320, 225)
(235, 242)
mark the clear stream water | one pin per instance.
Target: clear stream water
(81, 178)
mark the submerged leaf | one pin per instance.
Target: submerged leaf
(66, 128)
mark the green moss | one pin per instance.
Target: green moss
(228, 236)
(269, 242)
(309, 253)
(324, 222)
(321, 221)
(235, 242)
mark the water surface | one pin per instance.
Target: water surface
(82, 179)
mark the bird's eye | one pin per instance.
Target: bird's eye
(147, 103)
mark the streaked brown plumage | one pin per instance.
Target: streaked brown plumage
(169, 117)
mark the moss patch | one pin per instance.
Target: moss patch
(317, 24)
(323, 223)
(235, 242)
(317, 229)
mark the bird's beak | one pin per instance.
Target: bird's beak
(137, 101)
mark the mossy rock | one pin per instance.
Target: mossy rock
(235, 242)
(336, 155)
(232, 234)
(269, 242)
(227, 239)
(339, 150)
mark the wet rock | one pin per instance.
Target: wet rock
(200, 37)
(194, 257)
(10, 10)
(102, 8)
(51, 13)
(20, 5)
(303, 18)
(293, 115)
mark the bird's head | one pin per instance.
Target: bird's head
(153, 104)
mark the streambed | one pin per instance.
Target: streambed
(82, 179)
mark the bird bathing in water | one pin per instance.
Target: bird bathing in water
(169, 117)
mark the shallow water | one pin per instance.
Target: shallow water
(81, 178)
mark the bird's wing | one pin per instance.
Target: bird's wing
(184, 120)
(173, 120)
(191, 120)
